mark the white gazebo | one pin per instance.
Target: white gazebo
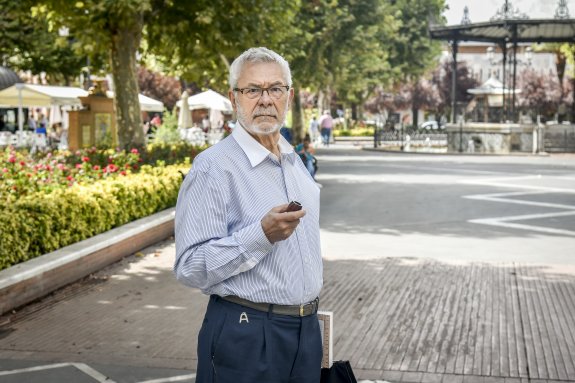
(490, 94)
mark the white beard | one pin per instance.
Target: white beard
(262, 128)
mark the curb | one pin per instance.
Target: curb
(476, 154)
(36, 278)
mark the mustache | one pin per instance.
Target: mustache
(264, 112)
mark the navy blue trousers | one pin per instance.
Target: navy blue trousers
(237, 344)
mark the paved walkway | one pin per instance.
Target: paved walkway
(395, 319)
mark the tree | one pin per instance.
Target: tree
(198, 40)
(540, 94)
(164, 88)
(194, 38)
(28, 44)
(423, 96)
(441, 79)
(349, 48)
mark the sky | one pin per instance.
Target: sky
(483, 10)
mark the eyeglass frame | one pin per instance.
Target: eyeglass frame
(262, 90)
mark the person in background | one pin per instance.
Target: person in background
(32, 122)
(326, 125)
(306, 151)
(41, 128)
(43, 122)
(286, 133)
(238, 240)
(156, 121)
(314, 130)
(54, 135)
(206, 125)
(40, 140)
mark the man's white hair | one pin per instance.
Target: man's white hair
(258, 55)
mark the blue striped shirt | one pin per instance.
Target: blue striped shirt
(220, 244)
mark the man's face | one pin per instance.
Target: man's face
(263, 115)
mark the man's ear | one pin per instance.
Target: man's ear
(232, 98)
(291, 95)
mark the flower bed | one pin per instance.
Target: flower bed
(60, 199)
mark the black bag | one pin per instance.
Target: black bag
(339, 372)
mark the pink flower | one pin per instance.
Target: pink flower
(5, 170)
(123, 173)
(22, 163)
(134, 151)
(70, 178)
(49, 168)
(12, 159)
(78, 166)
(85, 159)
(61, 166)
(96, 167)
(112, 168)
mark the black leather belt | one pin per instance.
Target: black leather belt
(294, 311)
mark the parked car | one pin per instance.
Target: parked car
(431, 125)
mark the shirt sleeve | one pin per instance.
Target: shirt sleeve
(206, 253)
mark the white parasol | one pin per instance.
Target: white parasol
(184, 119)
(55, 115)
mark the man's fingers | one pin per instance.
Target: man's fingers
(294, 215)
(280, 208)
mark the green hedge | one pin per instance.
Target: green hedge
(357, 132)
(41, 223)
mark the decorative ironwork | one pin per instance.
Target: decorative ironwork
(562, 11)
(508, 12)
(465, 20)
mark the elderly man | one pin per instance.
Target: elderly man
(239, 242)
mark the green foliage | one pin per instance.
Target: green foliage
(197, 40)
(157, 86)
(167, 133)
(32, 44)
(39, 223)
(357, 132)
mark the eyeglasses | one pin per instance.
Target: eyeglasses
(277, 91)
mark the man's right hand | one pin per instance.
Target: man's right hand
(279, 224)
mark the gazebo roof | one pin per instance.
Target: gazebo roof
(500, 31)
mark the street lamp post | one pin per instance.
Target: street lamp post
(515, 61)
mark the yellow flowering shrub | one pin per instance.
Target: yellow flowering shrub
(40, 223)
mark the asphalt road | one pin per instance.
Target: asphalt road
(375, 205)
(447, 207)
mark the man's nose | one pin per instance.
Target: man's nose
(265, 98)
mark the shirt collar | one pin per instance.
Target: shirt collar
(255, 151)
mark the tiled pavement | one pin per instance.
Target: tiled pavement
(395, 319)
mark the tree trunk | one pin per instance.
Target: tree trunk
(125, 43)
(320, 98)
(298, 132)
